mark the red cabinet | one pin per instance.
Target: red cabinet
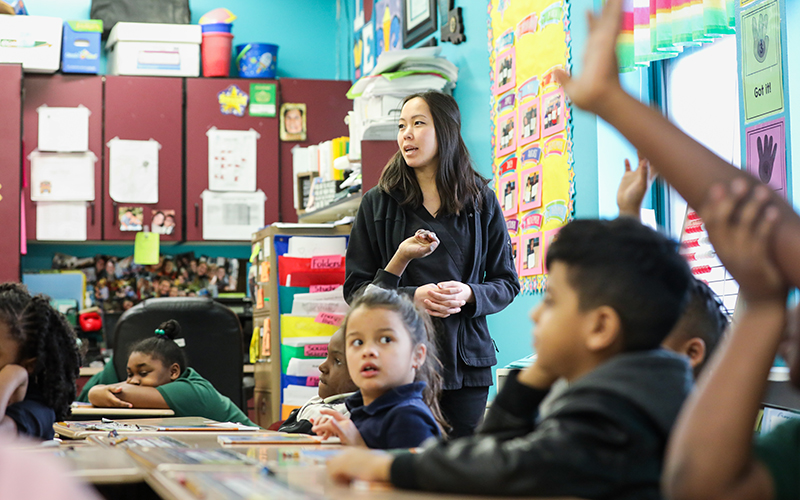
(10, 168)
(64, 91)
(326, 107)
(143, 108)
(203, 111)
(374, 157)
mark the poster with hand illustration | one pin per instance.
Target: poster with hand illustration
(766, 154)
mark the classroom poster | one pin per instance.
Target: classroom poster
(532, 133)
(762, 69)
(766, 154)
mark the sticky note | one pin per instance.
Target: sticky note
(326, 262)
(254, 253)
(266, 335)
(315, 350)
(145, 249)
(254, 341)
(322, 288)
(327, 318)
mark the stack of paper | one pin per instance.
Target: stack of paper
(377, 96)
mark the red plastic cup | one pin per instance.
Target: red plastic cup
(216, 50)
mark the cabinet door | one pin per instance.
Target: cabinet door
(326, 107)
(10, 169)
(204, 111)
(374, 156)
(143, 108)
(67, 91)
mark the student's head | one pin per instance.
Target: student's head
(613, 286)
(700, 328)
(157, 360)
(169, 220)
(293, 120)
(429, 134)
(334, 378)
(220, 272)
(38, 338)
(389, 343)
(169, 266)
(158, 218)
(202, 268)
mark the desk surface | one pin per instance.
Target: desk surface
(93, 412)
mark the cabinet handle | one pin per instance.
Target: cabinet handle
(196, 215)
(91, 206)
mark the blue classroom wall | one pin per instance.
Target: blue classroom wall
(305, 30)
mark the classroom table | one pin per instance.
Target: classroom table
(91, 412)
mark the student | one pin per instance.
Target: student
(392, 360)
(158, 377)
(615, 289)
(683, 162)
(430, 184)
(335, 385)
(39, 363)
(712, 454)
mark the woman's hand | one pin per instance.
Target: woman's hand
(104, 396)
(740, 225)
(422, 244)
(366, 465)
(335, 424)
(443, 299)
(599, 79)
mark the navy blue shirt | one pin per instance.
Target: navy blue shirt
(32, 416)
(397, 419)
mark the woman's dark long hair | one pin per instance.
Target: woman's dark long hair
(458, 183)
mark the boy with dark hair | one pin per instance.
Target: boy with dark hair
(615, 290)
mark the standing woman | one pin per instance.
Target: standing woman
(431, 203)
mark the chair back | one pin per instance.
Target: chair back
(212, 333)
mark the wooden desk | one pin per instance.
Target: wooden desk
(90, 371)
(93, 413)
(78, 430)
(99, 465)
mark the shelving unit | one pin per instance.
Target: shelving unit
(347, 206)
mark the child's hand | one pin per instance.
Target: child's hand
(17, 377)
(740, 228)
(104, 396)
(633, 187)
(422, 244)
(334, 423)
(367, 465)
(600, 75)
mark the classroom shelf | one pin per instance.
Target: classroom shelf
(345, 207)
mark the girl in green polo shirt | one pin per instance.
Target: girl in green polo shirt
(158, 377)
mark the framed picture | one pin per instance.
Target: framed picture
(531, 254)
(528, 122)
(531, 192)
(505, 71)
(419, 20)
(509, 196)
(506, 134)
(553, 113)
(293, 122)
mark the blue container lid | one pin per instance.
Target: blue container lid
(217, 28)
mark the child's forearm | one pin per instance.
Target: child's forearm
(710, 453)
(142, 397)
(12, 377)
(692, 169)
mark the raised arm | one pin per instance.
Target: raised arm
(710, 454)
(683, 162)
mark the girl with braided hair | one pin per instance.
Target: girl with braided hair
(159, 377)
(39, 363)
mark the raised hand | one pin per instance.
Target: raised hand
(422, 244)
(633, 187)
(599, 78)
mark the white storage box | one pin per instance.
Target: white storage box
(154, 49)
(34, 41)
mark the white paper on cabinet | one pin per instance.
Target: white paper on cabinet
(63, 129)
(133, 171)
(61, 221)
(62, 176)
(232, 216)
(232, 160)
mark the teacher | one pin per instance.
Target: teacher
(435, 231)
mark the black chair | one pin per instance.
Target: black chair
(212, 333)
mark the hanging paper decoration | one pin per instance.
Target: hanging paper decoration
(659, 29)
(532, 135)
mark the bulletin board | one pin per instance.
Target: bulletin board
(531, 128)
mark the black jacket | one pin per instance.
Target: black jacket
(605, 437)
(380, 227)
